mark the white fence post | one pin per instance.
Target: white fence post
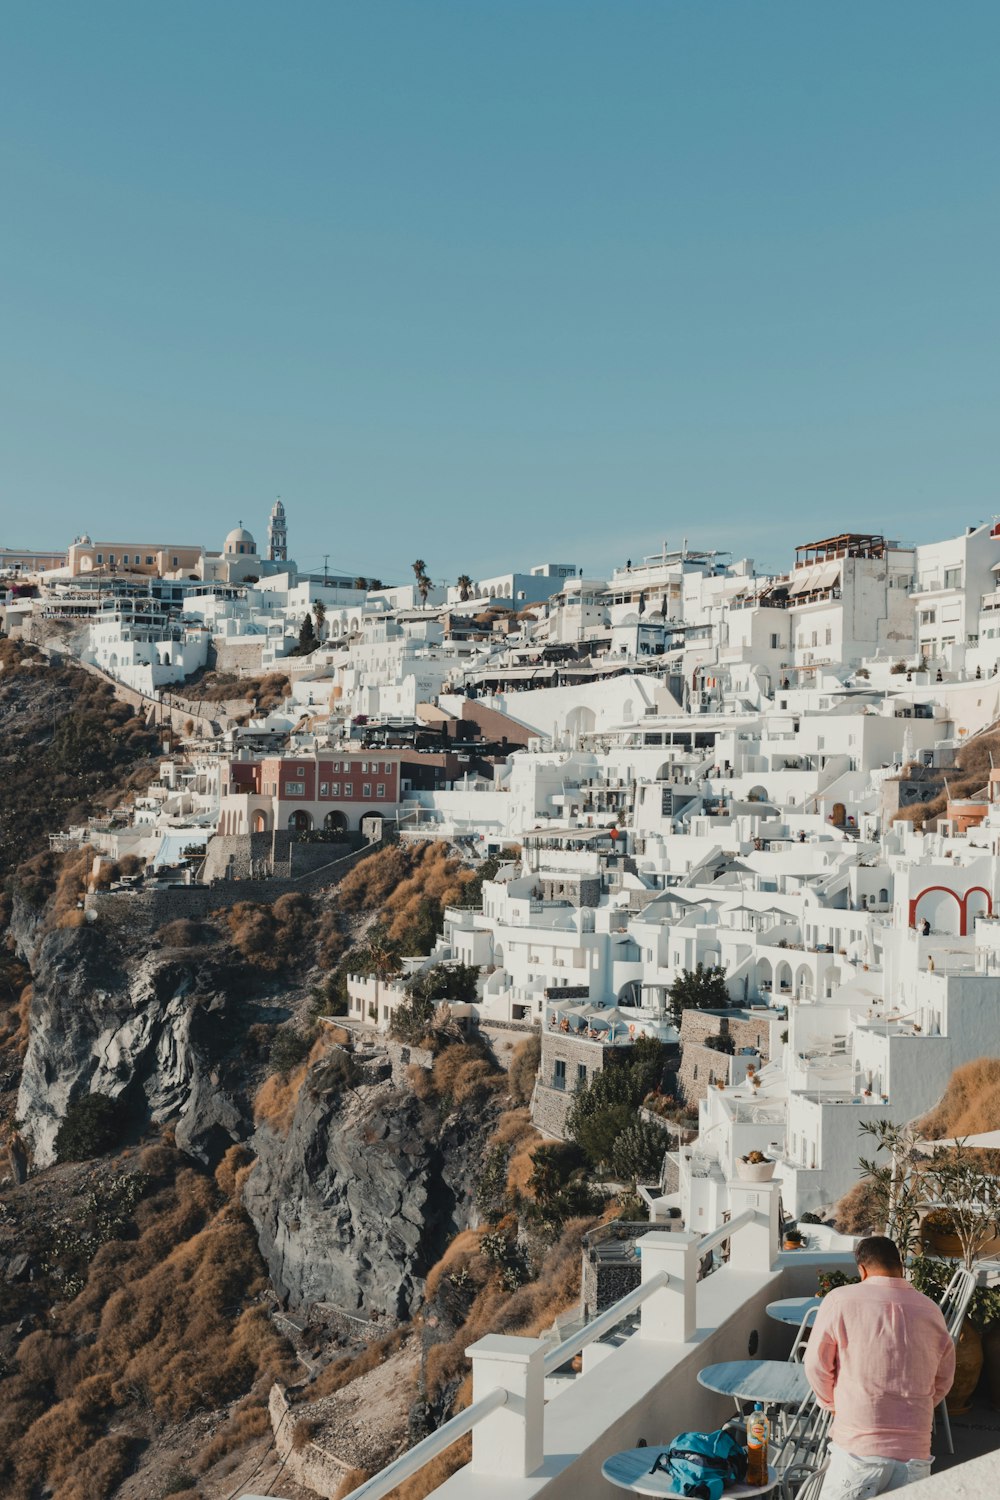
(755, 1246)
(509, 1442)
(669, 1313)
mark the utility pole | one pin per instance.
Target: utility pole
(326, 559)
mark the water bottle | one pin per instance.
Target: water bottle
(758, 1433)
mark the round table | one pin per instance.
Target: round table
(791, 1309)
(630, 1471)
(765, 1380)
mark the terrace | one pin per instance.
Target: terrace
(539, 1429)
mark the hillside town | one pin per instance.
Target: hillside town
(779, 789)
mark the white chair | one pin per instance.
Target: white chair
(801, 1340)
(810, 1489)
(954, 1305)
(802, 1447)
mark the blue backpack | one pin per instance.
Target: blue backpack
(702, 1463)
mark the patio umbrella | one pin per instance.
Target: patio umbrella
(987, 1140)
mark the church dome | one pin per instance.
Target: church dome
(239, 542)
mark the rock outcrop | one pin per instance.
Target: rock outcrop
(361, 1198)
(151, 1029)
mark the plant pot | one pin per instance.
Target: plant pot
(968, 1368)
(755, 1171)
(940, 1241)
(991, 1362)
(792, 1244)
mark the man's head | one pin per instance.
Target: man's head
(877, 1256)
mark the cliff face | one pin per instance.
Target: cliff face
(364, 1194)
(155, 1030)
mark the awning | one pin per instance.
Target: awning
(811, 580)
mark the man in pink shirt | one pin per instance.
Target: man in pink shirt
(880, 1357)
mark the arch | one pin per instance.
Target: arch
(982, 907)
(940, 910)
(630, 994)
(838, 815)
(804, 982)
(783, 977)
(883, 896)
(581, 720)
(765, 976)
(628, 711)
(260, 821)
(299, 821)
(758, 794)
(336, 822)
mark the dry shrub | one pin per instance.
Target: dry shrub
(463, 1070)
(171, 1321)
(341, 1372)
(233, 1170)
(351, 1480)
(524, 1068)
(859, 1211)
(273, 937)
(183, 933)
(969, 1105)
(463, 1250)
(276, 1099)
(249, 1421)
(420, 1082)
(70, 887)
(435, 1472)
(303, 1433)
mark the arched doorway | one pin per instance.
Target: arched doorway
(260, 822)
(299, 822)
(335, 822)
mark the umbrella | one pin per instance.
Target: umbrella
(987, 1140)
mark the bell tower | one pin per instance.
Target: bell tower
(277, 535)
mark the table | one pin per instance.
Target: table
(765, 1380)
(791, 1309)
(630, 1471)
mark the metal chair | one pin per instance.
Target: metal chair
(810, 1488)
(801, 1340)
(954, 1305)
(801, 1448)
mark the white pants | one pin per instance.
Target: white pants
(852, 1478)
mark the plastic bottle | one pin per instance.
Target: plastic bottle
(758, 1433)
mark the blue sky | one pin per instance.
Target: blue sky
(493, 284)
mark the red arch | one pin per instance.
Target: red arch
(963, 904)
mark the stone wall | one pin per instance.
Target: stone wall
(701, 1065)
(147, 909)
(309, 1465)
(240, 655)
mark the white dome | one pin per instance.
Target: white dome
(240, 541)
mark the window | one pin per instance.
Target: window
(100, 559)
(149, 562)
(581, 1073)
(364, 767)
(387, 768)
(366, 789)
(348, 788)
(928, 616)
(815, 638)
(300, 771)
(175, 562)
(953, 578)
(380, 789)
(775, 642)
(324, 789)
(294, 789)
(559, 1075)
(829, 635)
(334, 788)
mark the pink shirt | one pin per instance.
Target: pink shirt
(880, 1356)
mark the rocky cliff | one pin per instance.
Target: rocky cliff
(364, 1193)
(159, 1030)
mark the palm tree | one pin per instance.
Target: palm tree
(361, 583)
(424, 587)
(464, 587)
(319, 613)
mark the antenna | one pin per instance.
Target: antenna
(326, 559)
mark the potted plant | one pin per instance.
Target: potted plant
(938, 1235)
(755, 1167)
(793, 1239)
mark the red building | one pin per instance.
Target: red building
(301, 793)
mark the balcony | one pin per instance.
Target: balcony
(536, 1427)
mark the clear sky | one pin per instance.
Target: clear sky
(492, 284)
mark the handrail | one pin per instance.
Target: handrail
(604, 1323)
(718, 1236)
(429, 1447)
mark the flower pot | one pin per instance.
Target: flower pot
(968, 1368)
(940, 1241)
(792, 1244)
(755, 1171)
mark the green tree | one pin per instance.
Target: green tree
(319, 612)
(361, 583)
(637, 1155)
(699, 989)
(424, 584)
(464, 583)
(307, 636)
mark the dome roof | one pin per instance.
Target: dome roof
(240, 540)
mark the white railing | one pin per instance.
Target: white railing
(410, 1462)
(603, 1323)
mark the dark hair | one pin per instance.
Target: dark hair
(880, 1251)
